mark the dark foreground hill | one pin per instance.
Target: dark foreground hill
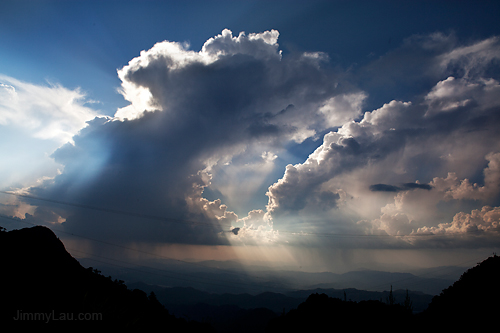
(43, 285)
(472, 301)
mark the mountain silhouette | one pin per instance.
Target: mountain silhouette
(42, 284)
(321, 313)
(257, 279)
(472, 301)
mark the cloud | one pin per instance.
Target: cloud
(486, 219)
(452, 94)
(232, 106)
(421, 212)
(45, 112)
(341, 109)
(350, 147)
(256, 229)
(384, 164)
(392, 188)
(471, 60)
(384, 188)
(453, 188)
(418, 186)
(416, 65)
(35, 120)
(221, 119)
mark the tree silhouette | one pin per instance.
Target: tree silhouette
(408, 304)
(391, 300)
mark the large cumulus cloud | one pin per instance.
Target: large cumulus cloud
(190, 112)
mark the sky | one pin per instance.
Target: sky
(324, 135)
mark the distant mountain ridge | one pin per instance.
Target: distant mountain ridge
(221, 277)
(367, 280)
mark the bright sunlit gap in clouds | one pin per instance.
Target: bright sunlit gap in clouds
(265, 146)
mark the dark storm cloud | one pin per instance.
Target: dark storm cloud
(392, 188)
(384, 188)
(124, 166)
(417, 186)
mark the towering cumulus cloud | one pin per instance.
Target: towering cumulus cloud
(235, 100)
